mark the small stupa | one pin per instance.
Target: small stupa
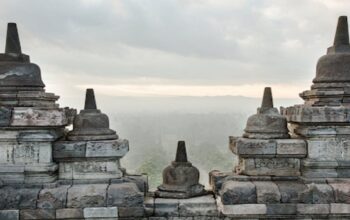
(91, 150)
(268, 122)
(90, 123)
(180, 179)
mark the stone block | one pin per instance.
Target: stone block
(53, 198)
(340, 208)
(22, 116)
(5, 116)
(28, 214)
(8, 136)
(270, 166)
(243, 210)
(319, 169)
(90, 169)
(125, 212)
(18, 198)
(198, 206)
(166, 207)
(341, 192)
(140, 180)
(69, 149)
(313, 209)
(281, 209)
(316, 114)
(69, 213)
(48, 135)
(92, 195)
(234, 192)
(318, 194)
(324, 149)
(267, 192)
(245, 147)
(149, 205)
(9, 214)
(25, 152)
(124, 195)
(101, 212)
(291, 148)
(109, 148)
(291, 192)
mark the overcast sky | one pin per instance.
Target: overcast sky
(175, 47)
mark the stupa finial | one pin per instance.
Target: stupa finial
(342, 32)
(267, 101)
(181, 155)
(90, 102)
(13, 44)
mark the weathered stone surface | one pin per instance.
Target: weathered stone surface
(38, 117)
(90, 169)
(149, 205)
(318, 194)
(198, 206)
(69, 149)
(243, 210)
(53, 198)
(340, 208)
(124, 195)
(318, 209)
(27, 214)
(18, 198)
(291, 148)
(166, 207)
(5, 116)
(234, 192)
(290, 191)
(101, 212)
(324, 149)
(92, 195)
(316, 114)
(341, 192)
(69, 213)
(281, 209)
(128, 212)
(140, 180)
(25, 152)
(114, 148)
(269, 166)
(245, 147)
(267, 192)
(319, 169)
(9, 214)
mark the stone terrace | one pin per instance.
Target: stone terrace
(293, 163)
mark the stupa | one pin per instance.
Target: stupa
(30, 119)
(323, 120)
(180, 179)
(91, 150)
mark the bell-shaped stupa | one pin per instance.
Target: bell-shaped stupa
(90, 123)
(267, 123)
(180, 179)
(332, 82)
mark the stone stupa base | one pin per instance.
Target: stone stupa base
(193, 191)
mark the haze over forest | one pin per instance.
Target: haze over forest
(154, 125)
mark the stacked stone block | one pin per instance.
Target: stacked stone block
(323, 120)
(30, 119)
(91, 150)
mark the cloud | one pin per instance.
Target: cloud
(175, 42)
